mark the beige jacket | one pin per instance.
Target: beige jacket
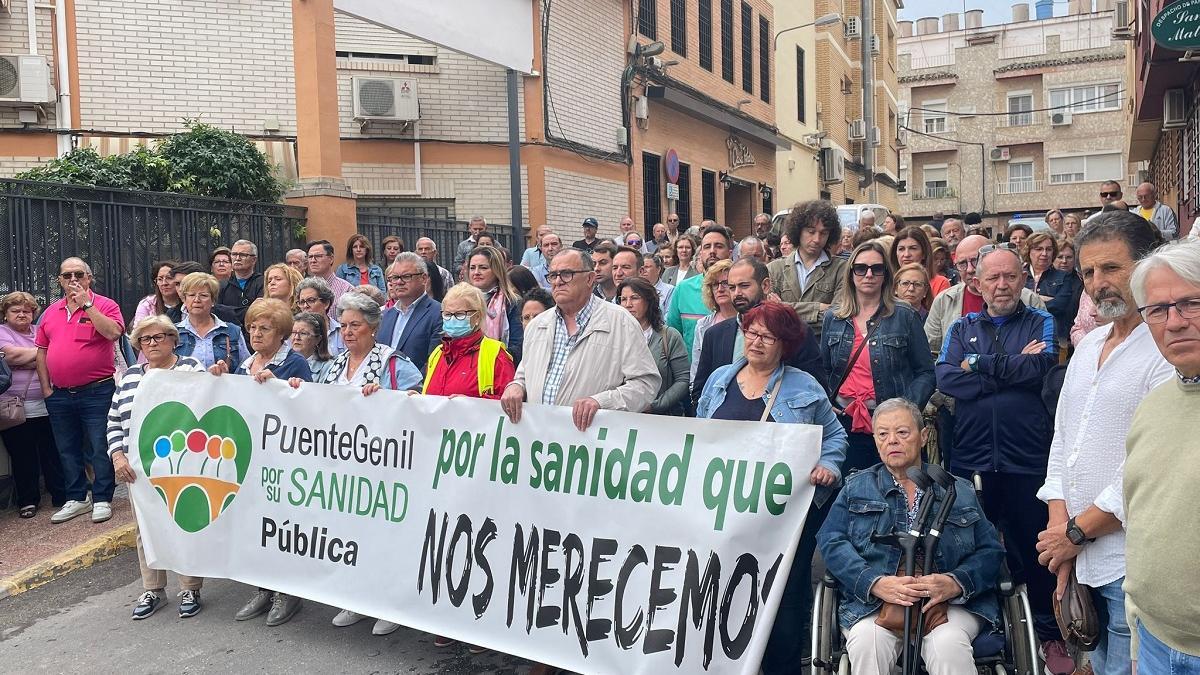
(610, 363)
(823, 285)
(947, 308)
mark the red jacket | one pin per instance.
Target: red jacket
(457, 372)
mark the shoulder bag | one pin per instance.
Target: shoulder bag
(1076, 616)
(12, 407)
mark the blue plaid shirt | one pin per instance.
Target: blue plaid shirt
(563, 344)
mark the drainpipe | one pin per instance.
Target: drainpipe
(62, 107)
(868, 97)
(31, 23)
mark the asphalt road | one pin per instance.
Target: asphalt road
(80, 623)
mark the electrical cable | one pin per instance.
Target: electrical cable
(1056, 107)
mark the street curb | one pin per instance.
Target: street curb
(98, 549)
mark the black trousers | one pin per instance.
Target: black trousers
(34, 455)
(1010, 502)
(789, 639)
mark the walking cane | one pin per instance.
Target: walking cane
(930, 540)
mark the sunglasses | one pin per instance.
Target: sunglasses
(72, 275)
(1117, 193)
(861, 269)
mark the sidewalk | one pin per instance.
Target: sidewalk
(36, 552)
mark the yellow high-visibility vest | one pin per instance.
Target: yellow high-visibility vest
(489, 349)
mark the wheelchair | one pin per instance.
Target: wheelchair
(1012, 651)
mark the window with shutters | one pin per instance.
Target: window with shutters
(708, 194)
(648, 18)
(704, 33)
(683, 207)
(679, 27)
(1084, 168)
(764, 59)
(747, 48)
(652, 191)
(801, 102)
(727, 40)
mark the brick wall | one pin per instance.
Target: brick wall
(145, 65)
(571, 197)
(584, 59)
(475, 189)
(11, 166)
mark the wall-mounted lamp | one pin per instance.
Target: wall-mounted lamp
(726, 180)
(765, 190)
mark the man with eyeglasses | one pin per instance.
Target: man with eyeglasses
(320, 265)
(762, 225)
(674, 227)
(964, 298)
(568, 351)
(413, 325)
(1162, 472)
(75, 338)
(993, 363)
(1158, 213)
(1110, 196)
(1114, 368)
(243, 287)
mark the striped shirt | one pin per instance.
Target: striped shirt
(121, 412)
(563, 344)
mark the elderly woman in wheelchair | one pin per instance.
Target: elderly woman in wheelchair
(866, 544)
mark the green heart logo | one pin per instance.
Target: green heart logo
(195, 465)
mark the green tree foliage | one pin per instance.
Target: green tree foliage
(203, 160)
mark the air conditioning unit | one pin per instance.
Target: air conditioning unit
(876, 138)
(1060, 118)
(25, 78)
(386, 98)
(875, 44)
(858, 130)
(1121, 29)
(998, 154)
(853, 30)
(833, 165)
(1174, 109)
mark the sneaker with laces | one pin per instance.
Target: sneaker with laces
(1058, 659)
(70, 510)
(347, 618)
(147, 604)
(283, 608)
(259, 602)
(101, 511)
(189, 603)
(383, 627)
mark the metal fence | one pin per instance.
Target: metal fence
(445, 233)
(120, 233)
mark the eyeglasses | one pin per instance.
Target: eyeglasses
(404, 278)
(720, 286)
(152, 339)
(305, 302)
(239, 256)
(752, 335)
(911, 283)
(163, 280)
(197, 296)
(965, 265)
(632, 242)
(672, 220)
(72, 275)
(302, 334)
(622, 299)
(990, 248)
(566, 276)
(1116, 193)
(457, 316)
(1188, 308)
(220, 261)
(317, 256)
(861, 269)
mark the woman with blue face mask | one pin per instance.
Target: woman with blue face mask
(467, 363)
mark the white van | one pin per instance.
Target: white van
(847, 214)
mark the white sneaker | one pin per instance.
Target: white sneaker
(71, 509)
(347, 618)
(383, 627)
(101, 511)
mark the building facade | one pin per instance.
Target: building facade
(797, 169)
(1012, 120)
(860, 155)
(1164, 118)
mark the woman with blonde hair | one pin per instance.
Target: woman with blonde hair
(716, 296)
(487, 271)
(280, 282)
(203, 335)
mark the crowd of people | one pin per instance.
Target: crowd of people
(1018, 360)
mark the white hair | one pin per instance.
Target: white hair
(1182, 258)
(899, 404)
(247, 242)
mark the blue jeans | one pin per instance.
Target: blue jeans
(78, 419)
(1111, 656)
(1156, 658)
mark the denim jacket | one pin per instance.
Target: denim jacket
(871, 502)
(901, 364)
(350, 274)
(801, 400)
(227, 342)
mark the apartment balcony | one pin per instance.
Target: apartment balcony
(1014, 120)
(922, 201)
(938, 61)
(930, 192)
(1019, 187)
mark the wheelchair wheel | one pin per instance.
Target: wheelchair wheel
(1022, 642)
(825, 639)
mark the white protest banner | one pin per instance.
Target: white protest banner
(645, 544)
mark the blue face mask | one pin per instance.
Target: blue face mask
(456, 328)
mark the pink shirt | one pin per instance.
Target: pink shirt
(77, 353)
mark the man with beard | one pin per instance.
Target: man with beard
(749, 287)
(1114, 368)
(687, 304)
(993, 363)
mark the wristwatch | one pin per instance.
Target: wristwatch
(86, 306)
(1076, 534)
(972, 361)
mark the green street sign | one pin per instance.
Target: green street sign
(1178, 26)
